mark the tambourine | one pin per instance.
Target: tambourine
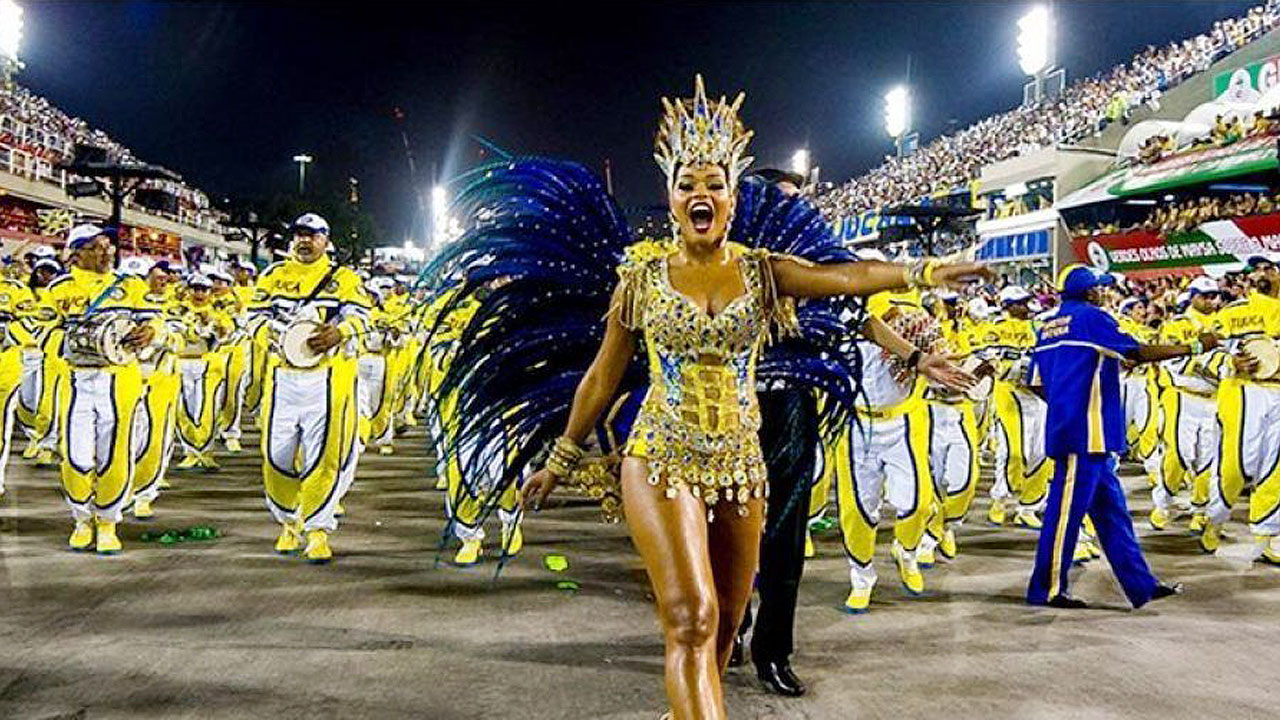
(1268, 356)
(292, 344)
(981, 390)
(98, 341)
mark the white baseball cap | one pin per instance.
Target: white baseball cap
(1203, 286)
(1128, 304)
(43, 251)
(312, 222)
(48, 263)
(1183, 298)
(978, 308)
(199, 280)
(1011, 294)
(81, 234)
(136, 265)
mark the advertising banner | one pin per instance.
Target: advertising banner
(1248, 83)
(1212, 243)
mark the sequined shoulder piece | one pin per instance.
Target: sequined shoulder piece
(637, 264)
(779, 310)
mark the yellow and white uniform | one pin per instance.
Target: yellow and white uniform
(1189, 434)
(237, 356)
(202, 368)
(43, 373)
(1021, 467)
(1249, 413)
(381, 375)
(1139, 395)
(309, 415)
(155, 422)
(885, 456)
(12, 295)
(953, 455)
(95, 414)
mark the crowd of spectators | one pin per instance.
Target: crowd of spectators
(1187, 215)
(36, 136)
(1085, 107)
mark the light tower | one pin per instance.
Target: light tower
(10, 40)
(897, 117)
(1036, 56)
(303, 160)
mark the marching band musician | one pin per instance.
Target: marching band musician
(95, 415)
(13, 295)
(156, 418)
(885, 456)
(233, 353)
(1189, 433)
(381, 370)
(1249, 414)
(1021, 466)
(202, 367)
(1139, 392)
(308, 414)
(42, 369)
(256, 339)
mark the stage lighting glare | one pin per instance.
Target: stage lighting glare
(800, 162)
(1035, 33)
(897, 111)
(10, 30)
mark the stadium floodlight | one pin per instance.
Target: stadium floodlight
(1035, 36)
(439, 216)
(897, 111)
(303, 160)
(10, 30)
(800, 162)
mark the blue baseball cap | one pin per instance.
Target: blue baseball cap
(1076, 280)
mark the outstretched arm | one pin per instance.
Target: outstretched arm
(866, 277)
(594, 392)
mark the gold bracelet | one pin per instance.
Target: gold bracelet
(929, 266)
(564, 457)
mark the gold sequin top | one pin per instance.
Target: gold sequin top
(697, 426)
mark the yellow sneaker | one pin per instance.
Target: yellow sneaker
(908, 570)
(442, 483)
(1087, 526)
(165, 484)
(947, 545)
(233, 445)
(513, 539)
(45, 458)
(31, 450)
(1160, 518)
(1196, 526)
(385, 450)
(1210, 537)
(1027, 519)
(207, 462)
(340, 510)
(82, 536)
(469, 553)
(1270, 552)
(858, 602)
(926, 557)
(142, 510)
(996, 515)
(290, 539)
(1081, 554)
(318, 547)
(108, 541)
(1095, 552)
(809, 549)
(188, 462)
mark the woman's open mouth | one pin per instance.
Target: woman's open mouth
(701, 215)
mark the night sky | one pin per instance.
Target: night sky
(226, 94)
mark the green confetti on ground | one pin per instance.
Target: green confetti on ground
(567, 585)
(822, 525)
(556, 563)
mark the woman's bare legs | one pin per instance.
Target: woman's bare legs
(671, 536)
(701, 577)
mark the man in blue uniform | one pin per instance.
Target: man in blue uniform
(1077, 367)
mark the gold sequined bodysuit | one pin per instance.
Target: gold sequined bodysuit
(697, 426)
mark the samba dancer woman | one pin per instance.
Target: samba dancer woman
(693, 479)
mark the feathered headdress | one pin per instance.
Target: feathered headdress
(698, 131)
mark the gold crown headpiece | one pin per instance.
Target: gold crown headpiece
(699, 131)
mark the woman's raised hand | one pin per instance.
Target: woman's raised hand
(956, 274)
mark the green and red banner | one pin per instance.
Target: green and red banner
(1143, 252)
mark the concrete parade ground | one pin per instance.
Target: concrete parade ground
(225, 628)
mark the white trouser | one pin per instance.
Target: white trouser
(297, 431)
(494, 464)
(92, 417)
(882, 468)
(1133, 391)
(193, 398)
(372, 373)
(1197, 443)
(232, 430)
(1033, 413)
(950, 451)
(31, 388)
(8, 411)
(1258, 445)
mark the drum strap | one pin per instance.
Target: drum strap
(333, 268)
